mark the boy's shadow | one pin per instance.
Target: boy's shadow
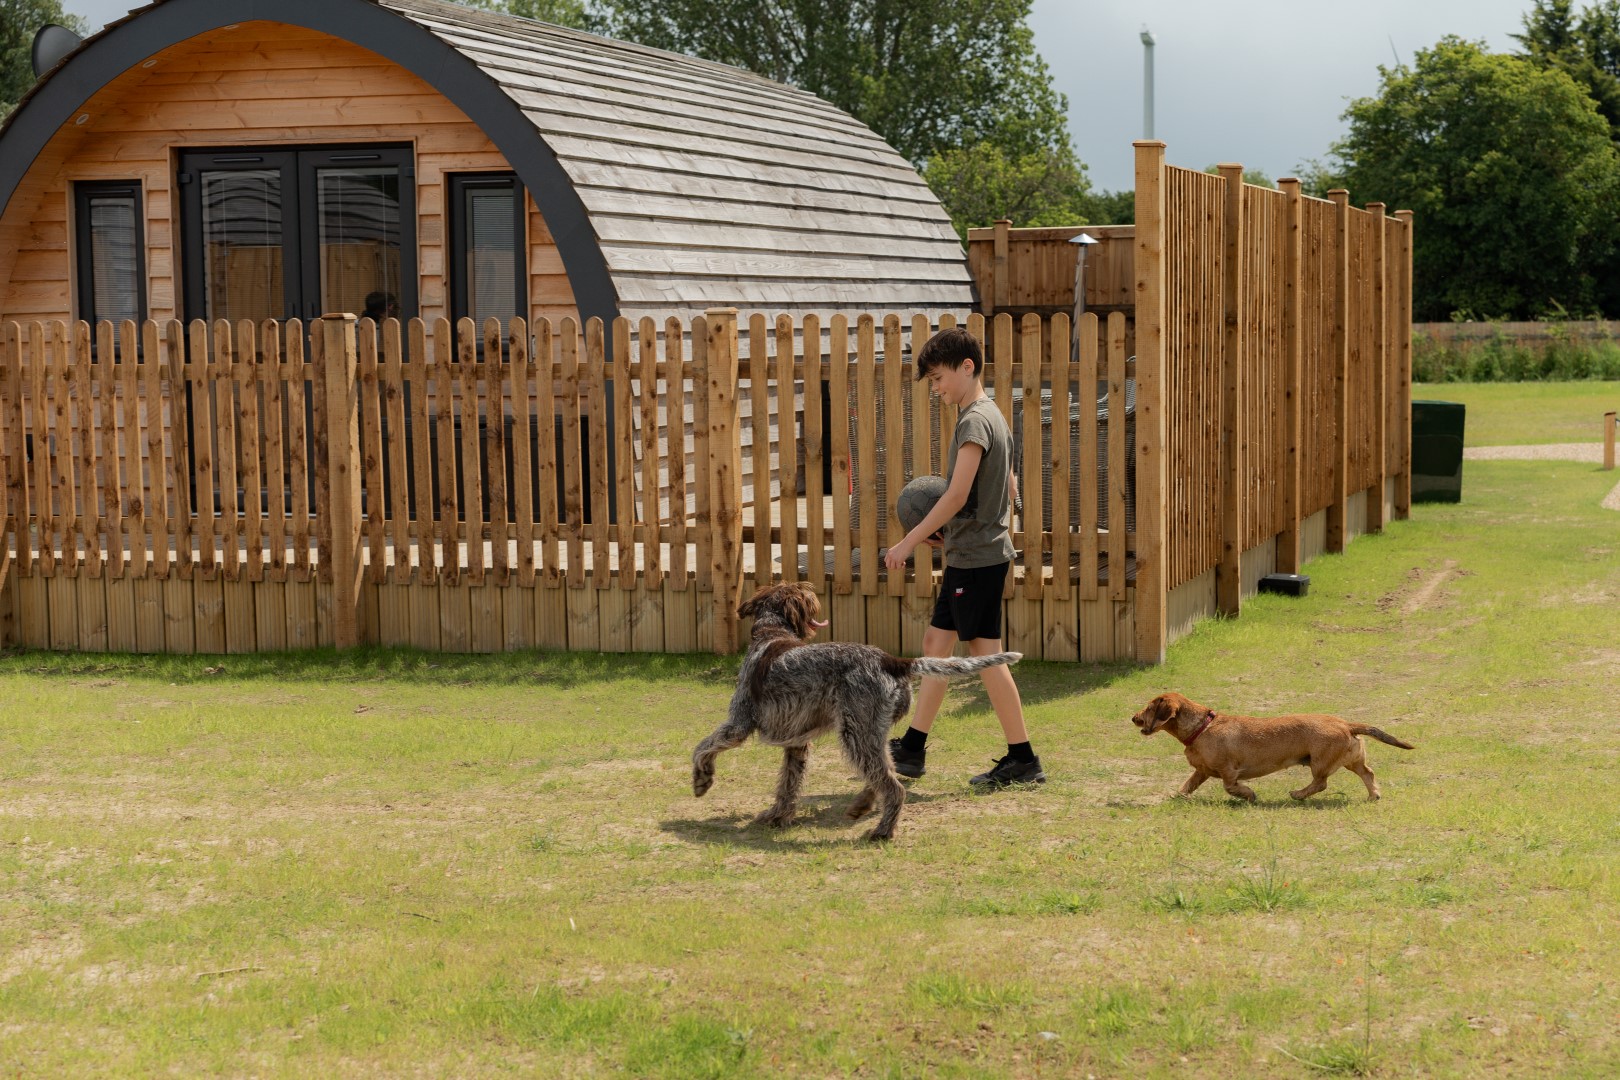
(815, 811)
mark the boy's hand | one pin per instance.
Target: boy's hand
(898, 555)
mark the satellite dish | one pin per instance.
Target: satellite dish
(51, 44)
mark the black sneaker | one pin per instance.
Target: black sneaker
(907, 762)
(1008, 772)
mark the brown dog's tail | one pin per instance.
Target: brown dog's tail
(1383, 737)
(961, 665)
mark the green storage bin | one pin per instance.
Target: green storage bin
(1437, 451)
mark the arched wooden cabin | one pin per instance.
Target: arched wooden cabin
(246, 160)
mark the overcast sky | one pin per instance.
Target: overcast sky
(1260, 83)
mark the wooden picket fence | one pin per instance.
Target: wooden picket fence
(257, 487)
(621, 487)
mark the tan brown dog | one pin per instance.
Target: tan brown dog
(1237, 748)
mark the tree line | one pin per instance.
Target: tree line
(1511, 162)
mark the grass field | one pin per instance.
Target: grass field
(390, 863)
(1517, 414)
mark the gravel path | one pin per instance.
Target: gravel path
(1570, 451)
(1591, 452)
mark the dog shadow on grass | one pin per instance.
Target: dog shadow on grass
(1201, 803)
(821, 822)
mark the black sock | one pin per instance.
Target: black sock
(913, 740)
(1020, 752)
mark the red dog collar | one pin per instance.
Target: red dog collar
(1201, 727)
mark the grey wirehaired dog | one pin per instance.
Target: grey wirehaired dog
(790, 692)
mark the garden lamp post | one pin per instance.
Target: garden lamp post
(1147, 83)
(1081, 243)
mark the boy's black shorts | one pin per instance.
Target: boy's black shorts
(970, 601)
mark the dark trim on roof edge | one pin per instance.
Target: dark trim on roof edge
(104, 57)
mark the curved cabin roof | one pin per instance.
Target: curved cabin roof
(670, 184)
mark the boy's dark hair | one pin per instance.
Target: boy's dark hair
(949, 348)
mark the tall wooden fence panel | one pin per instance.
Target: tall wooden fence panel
(1272, 359)
(1319, 435)
(1195, 252)
(1266, 371)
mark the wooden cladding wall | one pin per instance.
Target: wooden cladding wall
(257, 84)
(246, 487)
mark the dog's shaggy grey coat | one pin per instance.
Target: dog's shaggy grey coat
(789, 692)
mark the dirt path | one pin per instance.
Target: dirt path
(1592, 452)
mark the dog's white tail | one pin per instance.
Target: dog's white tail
(963, 665)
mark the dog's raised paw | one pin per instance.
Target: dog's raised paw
(701, 785)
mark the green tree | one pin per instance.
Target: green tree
(1509, 169)
(956, 86)
(1107, 208)
(20, 20)
(979, 184)
(1587, 47)
(575, 13)
(1317, 177)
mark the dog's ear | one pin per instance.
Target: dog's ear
(749, 606)
(802, 610)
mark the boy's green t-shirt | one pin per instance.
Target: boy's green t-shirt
(979, 533)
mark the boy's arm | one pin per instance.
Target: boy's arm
(955, 497)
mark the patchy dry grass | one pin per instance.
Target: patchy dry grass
(395, 864)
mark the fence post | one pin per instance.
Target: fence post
(8, 604)
(10, 466)
(1403, 370)
(343, 467)
(1380, 313)
(1151, 548)
(1608, 440)
(1229, 572)
(1000, 283)
(724, 472)
(1338, 455)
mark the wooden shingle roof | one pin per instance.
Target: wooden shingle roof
(707, 185)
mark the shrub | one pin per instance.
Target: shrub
(1501, 358)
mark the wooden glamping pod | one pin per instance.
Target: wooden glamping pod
(236, 159)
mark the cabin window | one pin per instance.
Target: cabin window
(488, 276)
(108, 248)
(299, 233)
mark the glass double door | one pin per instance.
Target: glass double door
(283, 234)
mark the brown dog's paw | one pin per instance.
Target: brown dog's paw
(878, 836)
(701, 784)
(858, 810)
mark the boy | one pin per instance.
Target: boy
(975, 514)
